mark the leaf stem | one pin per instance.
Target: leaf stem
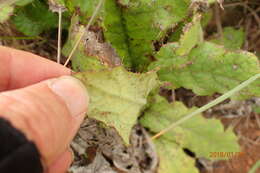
(83, 33)
(209, 105)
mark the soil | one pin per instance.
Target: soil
(102, 149)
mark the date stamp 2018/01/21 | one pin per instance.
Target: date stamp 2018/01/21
(227, 155)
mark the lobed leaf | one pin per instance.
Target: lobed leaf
(147, 22)
(132, 27)
(117, 96)
(208, 69)
(200, 135)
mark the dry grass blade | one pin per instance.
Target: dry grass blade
(82, 34)
(209, 105)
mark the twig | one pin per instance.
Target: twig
(252, 142)
(254, 14)
(233, 4)
(83, 33)
(220, 2)
(59, 36)
(257, 119)
(209, 105)
(218, 21)
(247, 121)
(235, 123)
(247, 27)
(257, 10)
(254, 3)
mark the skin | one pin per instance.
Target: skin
(28, 99)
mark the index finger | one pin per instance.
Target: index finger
(19, 69)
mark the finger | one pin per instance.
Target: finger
(20, 69)
(62, 164)
(49, 113)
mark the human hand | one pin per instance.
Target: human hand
(47, 109)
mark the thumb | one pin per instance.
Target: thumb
(48, 113)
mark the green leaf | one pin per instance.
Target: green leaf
(198, 134)
(232, 39)
(176, 35)
(34, 18)
(192, 35)
(23, 2)
(148, 21)
(83, 8)
(173, 159)
(5, 13)
(124, 2)
(117, 96)
(14, 2)
(132, 27)
(7, 8)
(256, 109)
(206, 18)
(208, 69)
(114, 31)
(90, 54)
(81, 60)
(112, 25)
(211, 1)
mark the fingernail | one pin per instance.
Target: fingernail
(72, 92)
